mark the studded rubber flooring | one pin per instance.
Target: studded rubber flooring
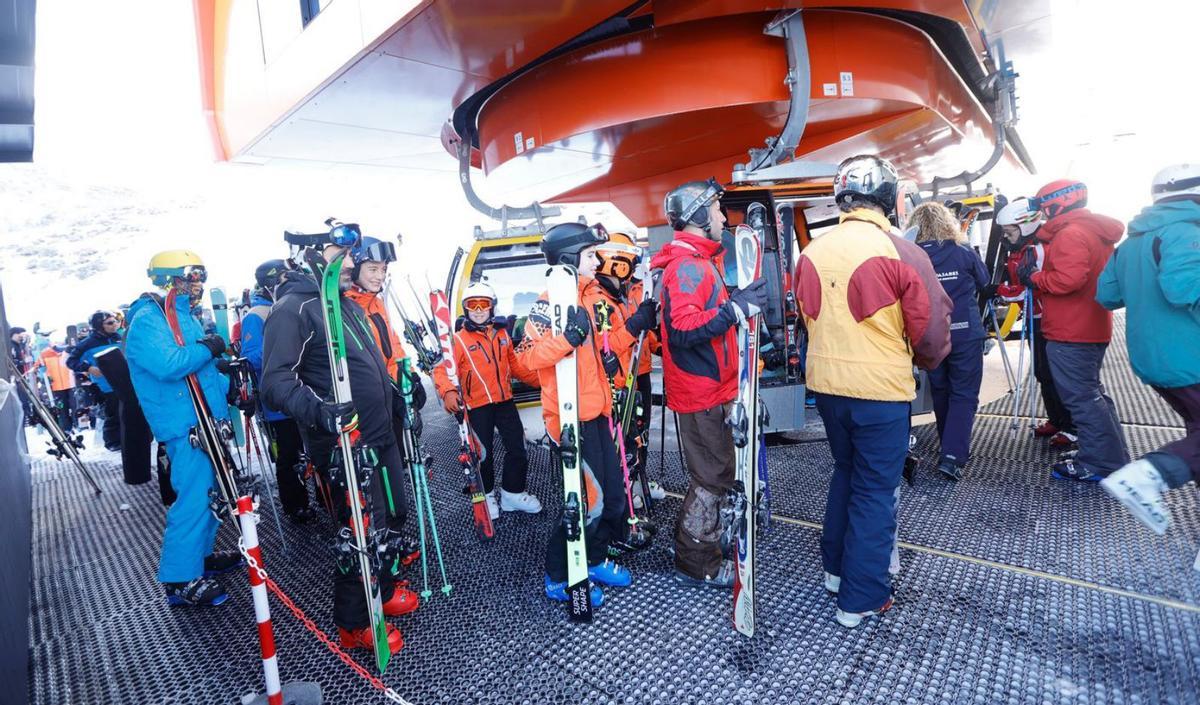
(1014, 589)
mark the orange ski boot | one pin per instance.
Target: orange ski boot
(362, 638)
(403, 601)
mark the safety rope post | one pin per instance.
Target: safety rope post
(300, 693)
(262, 608)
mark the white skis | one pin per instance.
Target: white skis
(744, 422)
(563, 288)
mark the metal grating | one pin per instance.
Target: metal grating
(961, 631)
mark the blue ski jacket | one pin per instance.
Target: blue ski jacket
(83, 357)
(158, 367)
(962, 275)
(253, 324)
(1155, 274)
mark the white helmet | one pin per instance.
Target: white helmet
(479, 290)
(1018, 213)
(1175, 181)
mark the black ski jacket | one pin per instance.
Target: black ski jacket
(295, 370)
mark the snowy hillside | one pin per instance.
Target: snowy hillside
(70, 246)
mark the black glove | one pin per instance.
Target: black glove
(418, 391)
(214, 343)
(989, 292)
(578, 326)
(750, 300)
(248, 404)
(643, 319)
(1027, 267)
(225, 366)
(337, 418)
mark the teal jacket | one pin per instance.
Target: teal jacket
(158, 366)
(1155, 274)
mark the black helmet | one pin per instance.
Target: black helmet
(98, 318)
(867, 178)
(268, 274)
(562, 243)
(688, 203)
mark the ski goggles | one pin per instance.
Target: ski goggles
(191, 273)
(478, 304)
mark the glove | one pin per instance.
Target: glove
(249, 404)
(1026, 270)
(337, 418)
(643, 319)
(225, 366)
(214, 343)
(750, 300)
(989, 292)
(452, 402)
(418, 392)
(578, 326)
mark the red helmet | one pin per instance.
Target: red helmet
(1058, 197)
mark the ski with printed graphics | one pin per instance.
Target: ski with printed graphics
(210, 435)
(470, 450)
(350, 456)
(562, 285)
(220, 309)
(744, 424)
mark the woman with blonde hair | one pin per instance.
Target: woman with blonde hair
(954, 383)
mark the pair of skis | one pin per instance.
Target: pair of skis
(62, 446)
(362, 543)
(748, 496)
(562, 285)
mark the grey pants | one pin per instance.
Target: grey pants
(1076, 371)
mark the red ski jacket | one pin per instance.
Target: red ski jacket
(1078, 245)
(1010, 288)
(699, 341)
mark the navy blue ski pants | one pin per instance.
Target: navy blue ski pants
(868, 441)
(955, 388)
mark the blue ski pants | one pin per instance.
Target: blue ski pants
(191, 527)
(955, 388)
(868, 441)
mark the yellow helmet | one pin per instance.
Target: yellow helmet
(166, 266)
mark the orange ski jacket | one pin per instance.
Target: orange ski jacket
(61, 376)
(541, 349)
(486, 364)
(385, 337)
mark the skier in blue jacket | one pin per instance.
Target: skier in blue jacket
(1155, 274)
(82, 359)
(158, 367)
(288, 444)
(955, 382)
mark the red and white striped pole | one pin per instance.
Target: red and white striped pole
(262, 609)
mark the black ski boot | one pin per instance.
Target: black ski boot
(221, 562)
(302, 515)
(199, 592)
(636, 540)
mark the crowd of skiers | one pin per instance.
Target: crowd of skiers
(873, 304)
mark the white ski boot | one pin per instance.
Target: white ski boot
(493, 507)
(851, 620)
(519, 502)
(1139, 487)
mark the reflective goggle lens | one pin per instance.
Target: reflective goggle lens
(477, 304)
(193, 274)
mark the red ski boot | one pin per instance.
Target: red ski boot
(361, 638)
(403, 601)
(1046, 430)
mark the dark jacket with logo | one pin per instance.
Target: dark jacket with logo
(962, 275)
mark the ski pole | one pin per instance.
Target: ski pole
(1008, 373)
(252, 437)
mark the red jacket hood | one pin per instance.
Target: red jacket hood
(684, 245)
(1107, 229)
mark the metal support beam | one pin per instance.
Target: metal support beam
(790, 26)
(504, 214)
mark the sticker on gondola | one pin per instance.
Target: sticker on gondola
(529, 143)
(847, 83)
(830, 89)
(519, 142)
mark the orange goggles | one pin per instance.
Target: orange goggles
(477, 304)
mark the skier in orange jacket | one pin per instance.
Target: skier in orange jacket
(486, 363)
